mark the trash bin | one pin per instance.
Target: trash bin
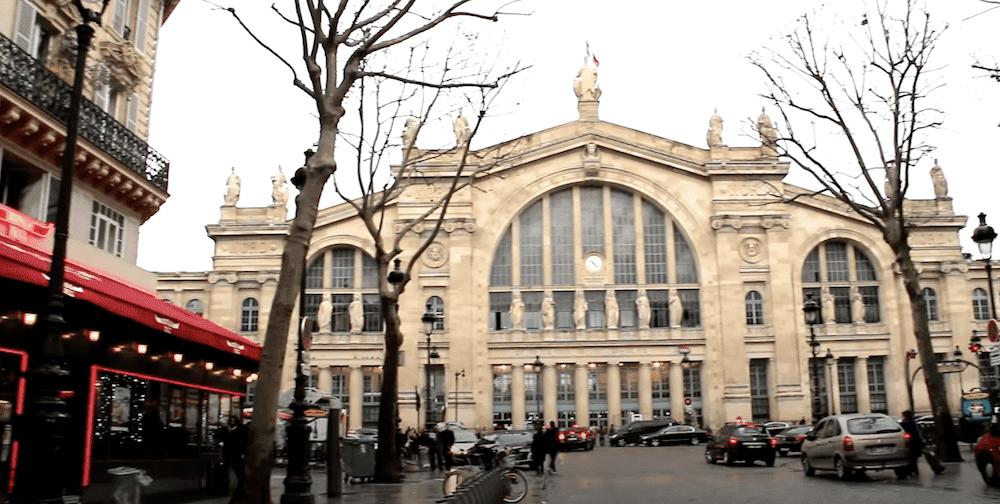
(358, 459)
(127, 483)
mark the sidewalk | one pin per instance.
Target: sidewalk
(417, 487)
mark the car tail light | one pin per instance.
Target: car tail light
(799, 439)
(906, 438)
(774, 442)
(562, 436)
(848, 443)
(583, 435)
(733, 441)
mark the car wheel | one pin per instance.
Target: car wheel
(654, 442)
(783, 453)
(727, 458)
(620, 442)
(988, 470)
(807, 467)
(843, 472)
(708, 457)
(695, 441)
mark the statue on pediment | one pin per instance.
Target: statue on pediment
(940, 183)
(714, 134)
(232, 189)
(585, 86)
(462, 131)
(768, 133)
(410, 132)
(279, 193)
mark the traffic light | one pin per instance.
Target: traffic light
(974, 345)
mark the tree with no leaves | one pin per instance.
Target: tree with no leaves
(355, 52)
(866, 98)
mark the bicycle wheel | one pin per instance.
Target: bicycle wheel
(515, 485)
(451, 482)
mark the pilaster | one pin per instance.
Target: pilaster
(645, 390)
(614, 394)
(517, 410)
(582, 394)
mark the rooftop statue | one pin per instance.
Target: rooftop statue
(585, 86)
(940, 183)
(714, 134)
(232, 189)
(768, 133)
(279, 194)
(410, 132)
(462, 132)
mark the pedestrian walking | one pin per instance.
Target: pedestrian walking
(447, 439)
(433, 448)
(234, 447)
(917, 446)
(539, 444)
(552, 445)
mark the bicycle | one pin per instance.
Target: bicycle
(514, 480)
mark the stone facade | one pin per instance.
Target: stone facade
(707, 256)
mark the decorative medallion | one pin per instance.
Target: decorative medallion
(751, 250)
(436, 255)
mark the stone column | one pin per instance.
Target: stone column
(356, 402)
(325, 379)
(645, 390)
(676, 390)
(517, 410)
(861, 378)
(833, 387)
(582, 394)
(549, 393)
(614, 395)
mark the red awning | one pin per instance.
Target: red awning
(25, 263)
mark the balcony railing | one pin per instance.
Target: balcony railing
(26, 76)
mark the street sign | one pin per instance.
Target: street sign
(951, 366)
(992, 331)
(994, 349)
(687, 401)
(683, 350)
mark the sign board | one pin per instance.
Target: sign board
(992, 331)
(687, 401)
(951, 366)
(994, 349)
(976, 406)
(683, 350)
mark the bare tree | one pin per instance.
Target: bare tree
(866, 98)
(346, 46)
(992, 69)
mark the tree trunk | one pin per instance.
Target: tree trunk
(387, 455)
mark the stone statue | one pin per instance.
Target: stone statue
(642, 308)
(357, 314)
(462, 132)
(548, 311)
(857, 306)
(585, 86)
(714, 134)
(828, 308)
(940, 184)
(279, 194)
(676, 309)
(580, 311)
(232, 189)
(611, 309)
(410, 133)
(768, 133)
(325, 314)
(516, 311)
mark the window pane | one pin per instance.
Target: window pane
(980, 305)
(691, 304)
(373, 313)
(659, 305)
(842, 304)
(592, 219)
(561, 221)
(531, 245)
(866, 272)
(623, 234)
(500, 311)
(655, 244)
(500, 271)
(627, 317)
(595, 309)
(870, 297)
(810, 270)
(532, 310)
(564, 309)
(369, 272)
(314, 274)
(836, 262)
(341, 312)
(342, 268)
(684, 259)
(754, 308)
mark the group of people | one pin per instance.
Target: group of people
(545, 448)
(438, 441)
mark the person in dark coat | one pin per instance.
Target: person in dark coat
(552, 445)
(917, 445)
(538, 449)
(447, 439)
(234, 447)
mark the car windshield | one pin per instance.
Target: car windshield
(747, 431)
(465, 436)
(872, 425)
(510, 439)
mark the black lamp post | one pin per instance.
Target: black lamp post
(429, 319)
(830, 361)
(984, 235)
(41, 432)
(811, 310)
(457, 374)
(910, 355)
(298, 481)
(537, 366)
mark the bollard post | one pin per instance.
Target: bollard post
(334, 483)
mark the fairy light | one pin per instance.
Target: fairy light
(141, 348)
(29, 319)
(209, 366)
(93, 336)
(178, 357)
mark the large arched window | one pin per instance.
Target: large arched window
(980, 304)
(571, 243)
(248, 315)
(195, 306)
(339, 275)
(931, 304)
(842, 277)
(754, 307)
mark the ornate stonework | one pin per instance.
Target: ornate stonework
(740, 221)
(435, 256)
(122, 63)
(751, 250)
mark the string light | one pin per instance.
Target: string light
(141, 348)
(209, 366)
(95, 335)
(178, 357)
(29, 318)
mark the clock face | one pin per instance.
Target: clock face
(594, 262)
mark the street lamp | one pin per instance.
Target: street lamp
(537, 366)
(958, 357)
(910, 355)
(984, 235)
(830, 361)
(429, 319)
(457, 374)
(811, 310)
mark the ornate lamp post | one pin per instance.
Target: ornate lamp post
(457, 374)
(984, 235)
(429, 319)
(537, 366)
(910, 355)
(811, 310)
(830, 361)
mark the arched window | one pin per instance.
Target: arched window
(931, 304)
(435, 305)
(248, 315)
(349, 272)
(980, 304)
(755, 308)
(838, 275)
(625, 240)
(194, 306)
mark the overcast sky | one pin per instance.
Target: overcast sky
(221, 102)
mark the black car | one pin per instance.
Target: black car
(790, 439)
(675, 434)
(740, 441)
(632, 431)
(516, 443)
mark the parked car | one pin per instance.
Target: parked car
(740, 441)
(675, 434)
(464, 441)
(363, 434)
(577, 437)
(517, 444)
(630, 432)
(987, 453)
(856, 442)
(790, 439)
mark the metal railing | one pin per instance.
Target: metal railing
(29, 79)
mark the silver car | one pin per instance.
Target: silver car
(856, 443)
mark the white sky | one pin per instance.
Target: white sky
(220, 101)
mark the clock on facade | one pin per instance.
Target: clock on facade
(594, 262)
